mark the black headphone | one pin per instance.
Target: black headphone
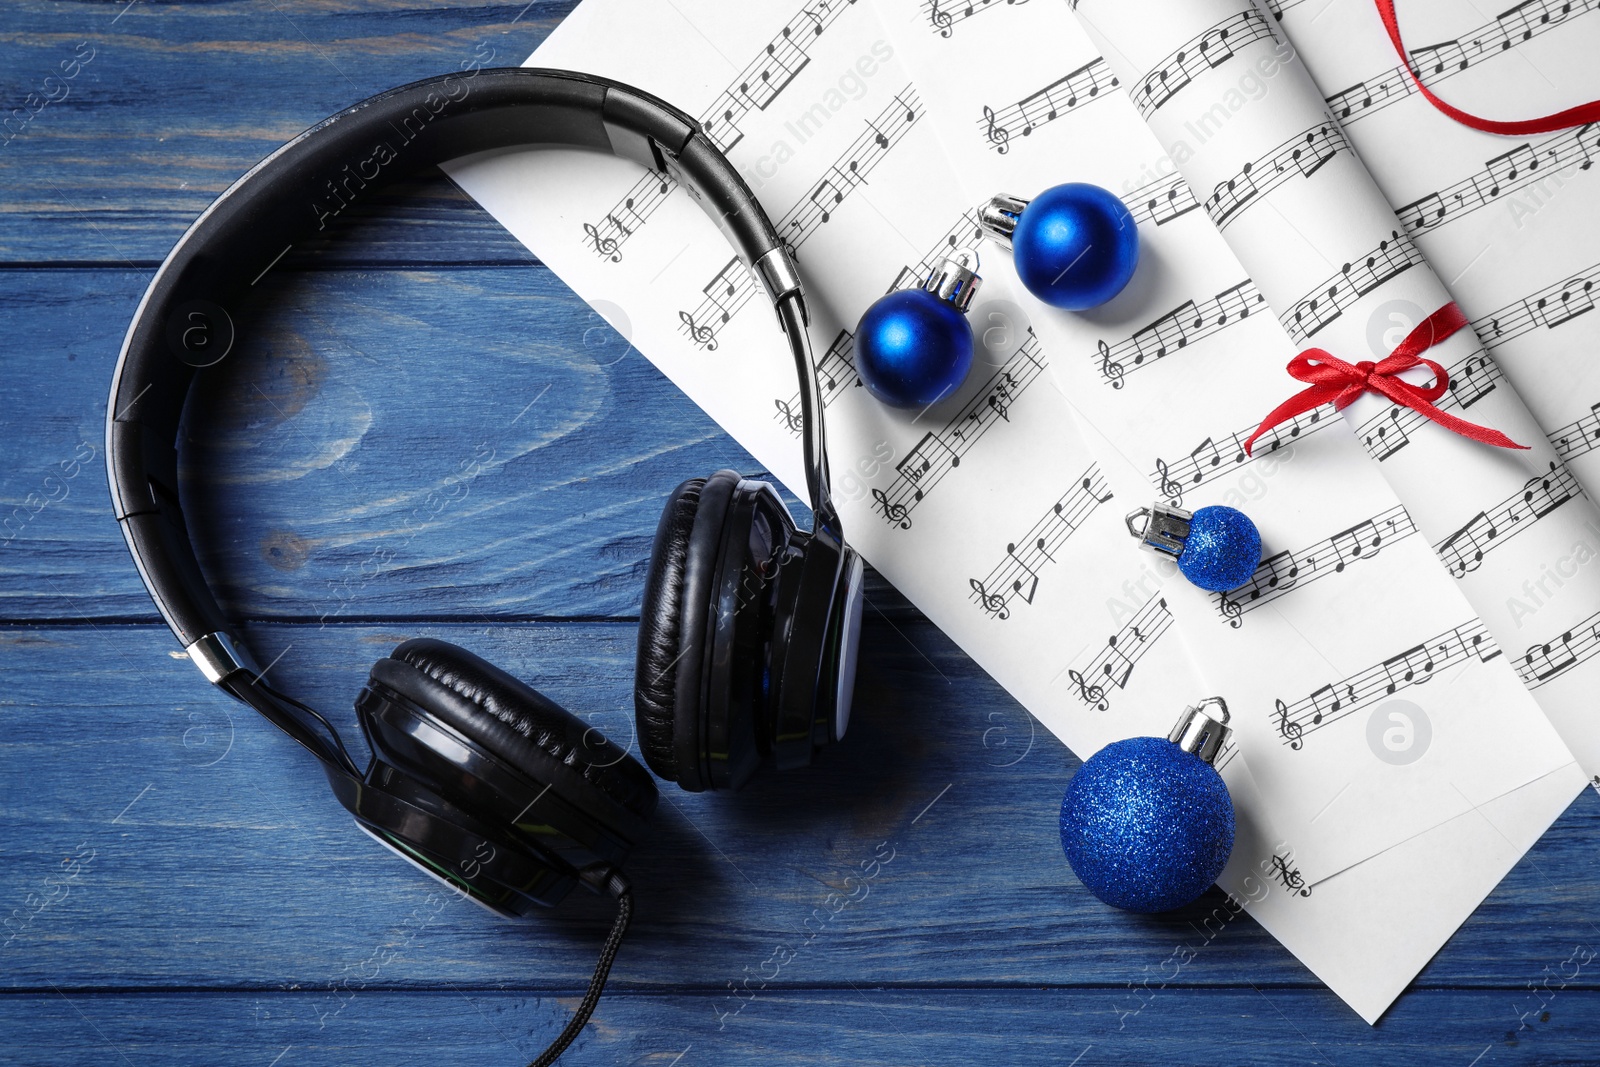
(748, 632)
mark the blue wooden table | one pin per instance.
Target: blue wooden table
(176, 884)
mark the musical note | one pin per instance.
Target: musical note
(1415, 666)
(1170, 479)
(1176, 330)
(1018, 572)
(772, 70)
(1552, 306)
(724, 295)
(1393, 256)
(887, 129)
(1435, 63)
(1471, 380)
(1042, 106)
(1299, 157)
(940, 451)
(943, 16)
(1578, 437)
(637, 205)
(1550, 659)
(1501, 176)
(1211, 49)
(1283, 571)
(1463, 550)
(1576, 298)
(1161, 201)
(1114, 663)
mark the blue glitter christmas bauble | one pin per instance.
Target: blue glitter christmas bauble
(913, 349)
(1222, 551)
(1075, 246)
(1147, 826)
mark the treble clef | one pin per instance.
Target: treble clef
(791, 418)
(998, 135)
(1290, 729)
(1109, 368)
(1291, 877)
(703, 336)
(895, 513)
(941, 19)
(1170, 489)
(990, 602)
(1092, 695)
(606, 246)
(1230, 610)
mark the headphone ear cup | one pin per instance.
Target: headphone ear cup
(696, 622)
(670, 671)
(655, 670)
(494, 747)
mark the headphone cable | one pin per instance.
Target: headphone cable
(619, 888)
(339, 754)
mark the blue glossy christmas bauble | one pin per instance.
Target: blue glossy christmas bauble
(1075, 246)
(1147, 826)
(1222, 551)
(913, 349)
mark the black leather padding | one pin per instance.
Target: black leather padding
(514, 722)
(655, 670)
(697, 615)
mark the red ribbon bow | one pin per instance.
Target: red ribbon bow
(1333, 379)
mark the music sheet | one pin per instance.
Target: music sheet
(1511, 226)
(999, 512)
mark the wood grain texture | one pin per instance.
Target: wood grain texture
(175, 884)
(868, 1025)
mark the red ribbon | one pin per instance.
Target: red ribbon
(1333, 379)
(1572, 116)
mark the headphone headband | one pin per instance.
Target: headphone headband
(183, 320)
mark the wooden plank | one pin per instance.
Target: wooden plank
(219, 861)
(175, 102)
(1017, 1027)
(439, 443)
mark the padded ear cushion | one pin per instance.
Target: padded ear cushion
(516, 723)
(655, 671)
(696, 614)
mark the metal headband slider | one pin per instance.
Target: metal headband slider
(217, 657)
(780, 278)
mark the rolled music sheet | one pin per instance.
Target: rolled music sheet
(1340, 271)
